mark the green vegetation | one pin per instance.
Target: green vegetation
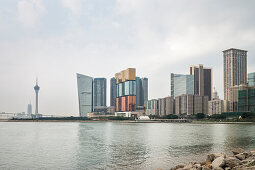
(120, 118)
(200, 116)
(170, 117)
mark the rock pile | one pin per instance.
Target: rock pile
(240, 160)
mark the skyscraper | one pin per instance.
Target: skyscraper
(202, 80)
(29, 109)
(85, 94)
(181, 84)
(235, 70)
(141, 91)
(99, 92)
(36, 88)
(144, 90)
(113, 91)
(126, 90)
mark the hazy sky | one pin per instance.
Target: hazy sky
(55, 39)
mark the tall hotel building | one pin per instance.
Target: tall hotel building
(181, 84)
(235, 72)
(126, 90)
(99, 92)
(85, 94)
(202, 80)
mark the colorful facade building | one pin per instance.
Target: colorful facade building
(126, 90)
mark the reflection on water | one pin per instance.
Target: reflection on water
(109, 145)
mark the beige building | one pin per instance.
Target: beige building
(233, 104)
(191, 104)
(152, 107)
(235, 71)
(217, 106)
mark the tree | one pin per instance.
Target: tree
(200, 115)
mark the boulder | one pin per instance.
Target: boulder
(231, 162)
(210, 158)
(240, 156)
(189, 166)
(216, 155)
(218, 162)
(218, 168)
(237, 151)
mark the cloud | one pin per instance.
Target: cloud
(74, 5)
(30, 12)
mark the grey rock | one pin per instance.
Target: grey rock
(237, 151)
(231, 162)
(218, 162)
(216, 155)
(210, 158)
(218, 168)
(189, 166)
(240, 156)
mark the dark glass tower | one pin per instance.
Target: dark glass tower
(99, 92)
(113, 91)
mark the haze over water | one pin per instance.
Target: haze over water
(106, 145)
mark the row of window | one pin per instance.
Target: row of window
(127, 88)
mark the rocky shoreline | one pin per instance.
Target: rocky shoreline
(240, 160)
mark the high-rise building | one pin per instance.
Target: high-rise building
(191, 104)
(85, 94)
(144, 89)
(181, 84)
(36, 88)
(99, 92)
(113, 91)
(202, 80)
(29, 109)
(126, 90)
(235, 70)
(152, 107)
(141, 91)
(246, 99)
(217, 106)
(251, 79)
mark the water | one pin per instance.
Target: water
(106, 145)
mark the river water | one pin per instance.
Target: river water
(106, 145)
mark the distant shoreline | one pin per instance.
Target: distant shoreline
(126, 121)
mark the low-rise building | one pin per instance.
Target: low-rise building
(152, 107)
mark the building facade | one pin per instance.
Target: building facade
(126, 90)
(233, 103)
(113, 91)
(191, 104)
(246, 99)
(235, 70)
(99, 92)
(202, 80)
(181, 84)
(251, 79)
(141, 91)
(29, 109)
(85, 94)
(217, 106)
(152, 107)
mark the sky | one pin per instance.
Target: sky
(55, 39)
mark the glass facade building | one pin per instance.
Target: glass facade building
(99, 92)
(113, 91)
(141, 91)
(181, 84)
(85, 94)
(251, 79)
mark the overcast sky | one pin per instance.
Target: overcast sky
(55, 39)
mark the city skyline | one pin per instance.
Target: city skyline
(84, 35)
